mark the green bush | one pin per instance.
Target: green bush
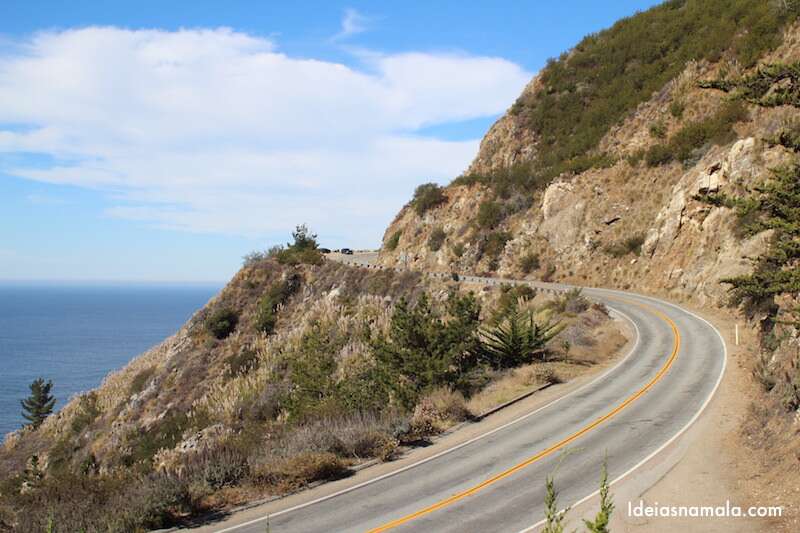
(242, 362)
(529, 262)
(393, 241)
(427, 196)
(222, 322)
(676, 108)
(88, 411)
(458, 249)
(517, 340)
(436, 239)
(303, 250)
(165, 434)
(658, 130)
(490, 214)
(658, 154)
(277, 294)
(141, 379)
(629, 245)
(695, 137)
(424, 351)
(494, 243)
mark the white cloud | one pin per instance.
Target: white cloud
(217, 131)
(353, 23)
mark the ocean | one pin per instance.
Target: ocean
(75, 335)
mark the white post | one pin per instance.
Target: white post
(737, 334)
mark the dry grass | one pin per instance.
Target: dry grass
(511, 384)
(437, 411)
(285, 474)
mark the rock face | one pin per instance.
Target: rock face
(629, 225)
(507, 142)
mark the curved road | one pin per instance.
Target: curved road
(496, 482)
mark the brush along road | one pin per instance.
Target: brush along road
(496, 481)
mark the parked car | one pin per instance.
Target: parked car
(325, 250)
(347, 251)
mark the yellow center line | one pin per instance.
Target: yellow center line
(544, 453)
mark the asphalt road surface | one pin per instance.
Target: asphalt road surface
(497, 482)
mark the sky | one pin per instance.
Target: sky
(161, 141)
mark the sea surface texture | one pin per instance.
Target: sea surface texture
(75, 335)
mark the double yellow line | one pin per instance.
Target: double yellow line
(544, 453)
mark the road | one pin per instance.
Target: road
(497, 482)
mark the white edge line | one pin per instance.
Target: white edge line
(679, 433)
(454, 448)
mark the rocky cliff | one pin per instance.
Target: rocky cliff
(625, 223)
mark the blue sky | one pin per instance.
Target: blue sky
(155, 141)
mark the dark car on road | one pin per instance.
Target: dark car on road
(347, 251)
(324, 250)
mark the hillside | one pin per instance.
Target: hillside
(298, 370)
(658, 156)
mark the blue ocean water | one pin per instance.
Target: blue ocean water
(75, 334)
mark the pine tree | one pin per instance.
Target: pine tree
(39, 405)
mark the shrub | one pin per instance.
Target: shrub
(458, 249)
(529, 262)
(658, 154)
(629, 245)
(494, 243)
(222, 322)
(88, 412)
(303, 249)
(290, 473)
(242, 362)
(436, 239)
(546, 375)
(65, 502)
(141, 379)
(694, 137)
(658, 130)
(438, 410)
(165, 434)
(489, 214)
(423, 351)
(277, 294)
(253, 258)
(676, 108)
(393, 241)
(571, 301)
(510, 295)
(215, 467)
(427, 196)
(517, 340)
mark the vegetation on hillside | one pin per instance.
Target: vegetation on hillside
(427, 196)
(771, 290)
(692, 140)
(608, 74)
(292, 374)
(588, 90)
